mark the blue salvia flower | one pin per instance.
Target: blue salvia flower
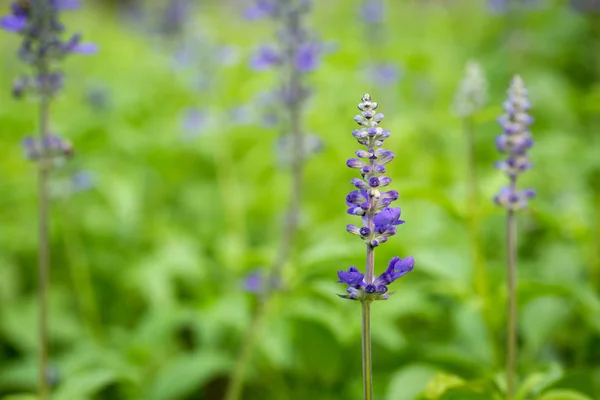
(379, 220)
(296, 46)
(298, 52)
(515, 142)
(37, 22)
(42, 47)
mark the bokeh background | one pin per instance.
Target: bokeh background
(180, 181)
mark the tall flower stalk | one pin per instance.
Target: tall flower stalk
(37, 22)
(379, 222)
(515, 142)
(295, 54)
(470, 97)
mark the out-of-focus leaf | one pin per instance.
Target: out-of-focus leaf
(535, 383)
(84, 384)
(540, 318)
(20, 397)
(182, 375)
(440, 384)
(409, 382)
(563, 394)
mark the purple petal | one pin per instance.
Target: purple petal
(307, 57)
(11, 23)
(265, 58)
(62, 5)
(85, 48)
(353, 277)
(387, 216)
(402, 266)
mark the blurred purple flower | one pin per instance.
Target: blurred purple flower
(175, 15)
(372, 11)
(308, 57)
(261, 9)
(17, 20)
(265, 58)
(384, 74)
(82, 181)
(194, 123)
(253, 282)
(502, 6)
(241, 115)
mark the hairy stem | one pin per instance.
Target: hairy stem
(235, 387)
(511, 339)
(367, 358)
(43, 247)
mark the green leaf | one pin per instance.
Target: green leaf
(20, 397)
(537, 382)
(85, 384)
(181, 376)
(440, 384)
(563, 394)
(471, 391)
(409, 382)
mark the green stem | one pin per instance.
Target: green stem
(367, 359)
(511, 340)
(480, 273)
(43, 247)
(235, 387)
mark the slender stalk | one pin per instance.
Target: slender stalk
(511, 339)
(234, 390)
(367, 358)
(480, 273)
(366, 350)
(43, 248)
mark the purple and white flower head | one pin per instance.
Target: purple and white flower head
(515, 143)
(471, 95)
(379, 220)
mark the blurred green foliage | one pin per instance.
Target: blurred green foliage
(146, 296)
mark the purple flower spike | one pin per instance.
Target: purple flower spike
(515, 142)
(42, 42)
(379, 221)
